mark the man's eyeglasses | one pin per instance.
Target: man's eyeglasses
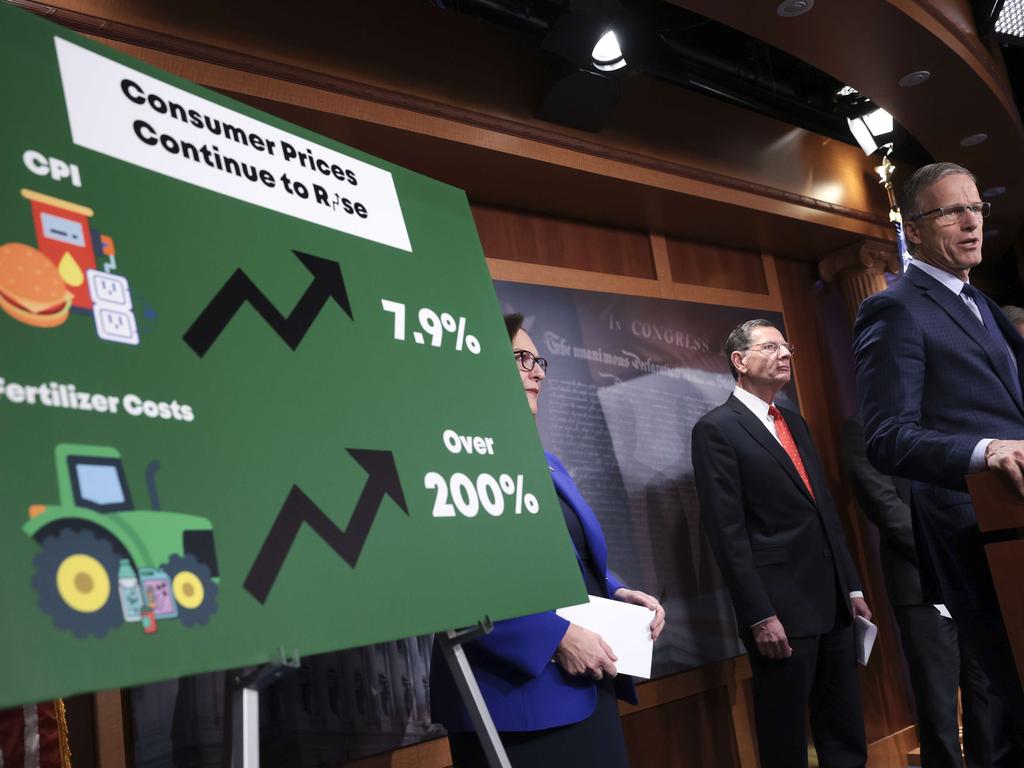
(770, 348)
(527, 360)
(953, 214)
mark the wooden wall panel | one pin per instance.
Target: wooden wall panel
(113, 735)
(716, 267)
(429, 754)
(695, 732)
(527, 237)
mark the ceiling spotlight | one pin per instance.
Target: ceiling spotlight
(973, 140)
(914, 78)
(869, 128)
(791, 8)
(993, 192)
(589, 61)
(1009, 24)
(878, 122)
(607, 54)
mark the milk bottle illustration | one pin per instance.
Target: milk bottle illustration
(129, 590)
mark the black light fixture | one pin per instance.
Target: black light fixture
(590, 62)
(871, 126)
(872, 130)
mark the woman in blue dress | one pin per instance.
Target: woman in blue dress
(550, 685)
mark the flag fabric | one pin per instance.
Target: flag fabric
(901, 239)
(34, 736)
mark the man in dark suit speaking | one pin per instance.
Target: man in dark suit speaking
(772, 524)
(939, 377)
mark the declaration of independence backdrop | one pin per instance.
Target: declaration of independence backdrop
(628, 379)
(248, 389)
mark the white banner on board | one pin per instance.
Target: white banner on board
(123, 113)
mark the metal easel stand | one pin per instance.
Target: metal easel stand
(451, 646)
(245, 707)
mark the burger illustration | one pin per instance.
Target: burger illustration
(31, 289)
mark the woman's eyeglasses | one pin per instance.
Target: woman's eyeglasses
(527, 360)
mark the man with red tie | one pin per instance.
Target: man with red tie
(772, 524)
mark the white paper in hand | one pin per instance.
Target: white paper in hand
(866, 633)
(624, 626)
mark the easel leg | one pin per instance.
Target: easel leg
(245, 728)
(245, 707)
(451, 646)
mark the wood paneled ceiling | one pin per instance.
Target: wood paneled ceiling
(871, 44)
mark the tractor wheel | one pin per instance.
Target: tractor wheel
(76, 582)
(193, 588)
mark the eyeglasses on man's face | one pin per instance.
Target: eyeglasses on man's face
(953, 214)
(771, 348)
(527, 360)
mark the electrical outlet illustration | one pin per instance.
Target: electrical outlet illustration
(109, 289)
(112, 307)
(114, 324)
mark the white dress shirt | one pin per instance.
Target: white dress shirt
(759, 408)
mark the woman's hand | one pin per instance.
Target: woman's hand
(583, 652)
(637, 597)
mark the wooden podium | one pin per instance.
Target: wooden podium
(1000, 513)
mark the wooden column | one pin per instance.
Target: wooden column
(859, 270)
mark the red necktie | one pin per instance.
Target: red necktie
(789, 445)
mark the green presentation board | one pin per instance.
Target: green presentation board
(255, 389)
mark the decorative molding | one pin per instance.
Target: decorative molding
(867, 255)
(565, 277)
(859, 271)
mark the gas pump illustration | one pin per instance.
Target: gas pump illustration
(66, 264)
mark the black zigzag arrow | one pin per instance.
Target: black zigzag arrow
(298, 508)
(327, 284)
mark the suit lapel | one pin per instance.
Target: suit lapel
(760, 433)
(959, 312)
(1013, 340)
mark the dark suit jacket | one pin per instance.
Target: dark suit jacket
(780, 551)
(880, 501)
(932, 383)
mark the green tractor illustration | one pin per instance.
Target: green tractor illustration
(102, 562)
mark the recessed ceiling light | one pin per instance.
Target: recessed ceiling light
(914, 78)
(791, 8)
(993, 192)
(991, 233)
(973, 140)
